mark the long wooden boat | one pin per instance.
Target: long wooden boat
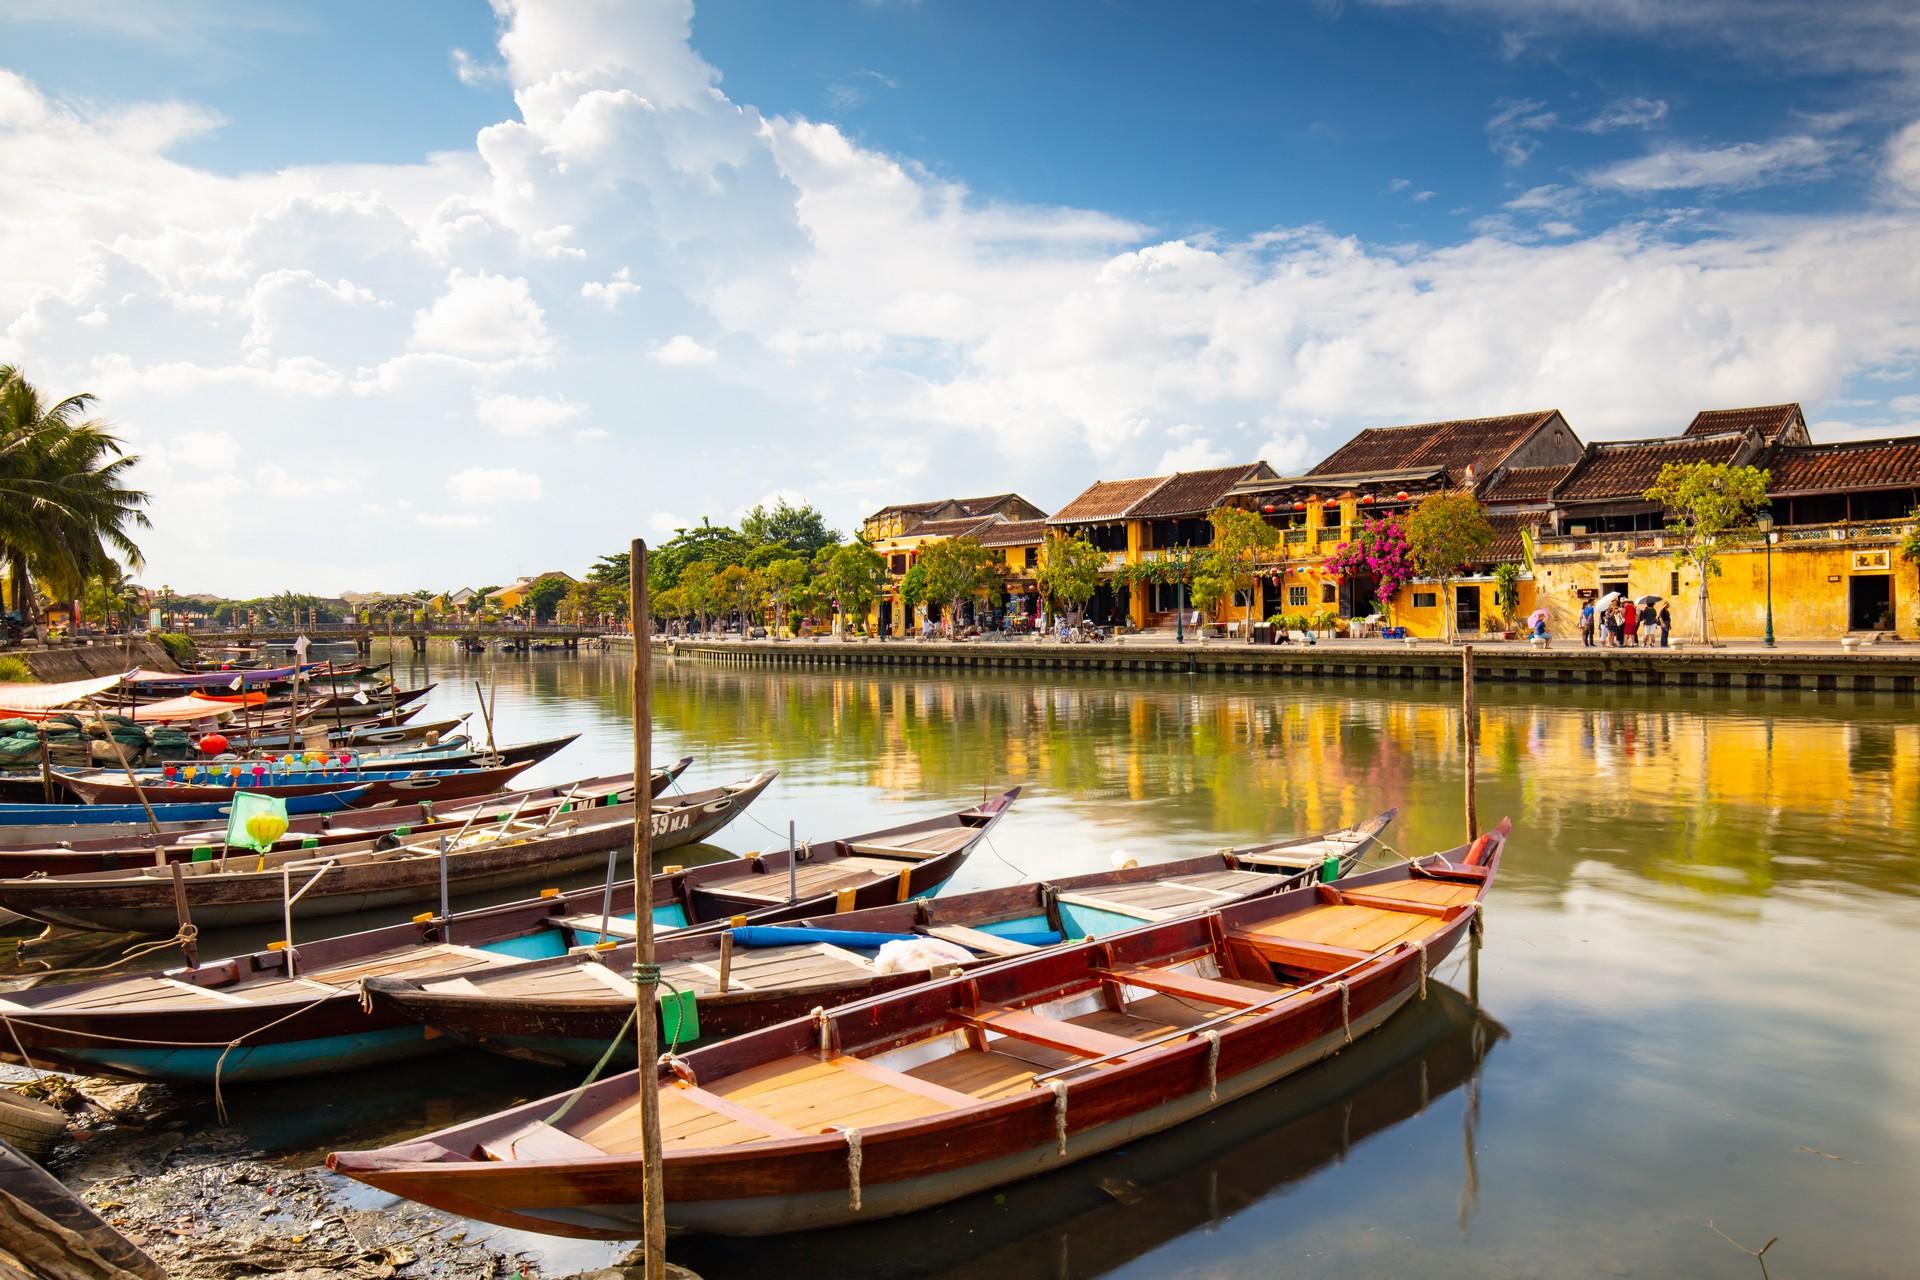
(961, 1085)
(388, 730)
(315, 1020)
(48, 1231)
(28, 825)
(381, 786)
(569, 1008)
(252, 887)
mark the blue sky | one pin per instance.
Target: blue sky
(581, 270)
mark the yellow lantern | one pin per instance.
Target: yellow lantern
(266, 827)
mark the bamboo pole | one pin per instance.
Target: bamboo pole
(654, 1251)
(138, 790)
(1470, 735)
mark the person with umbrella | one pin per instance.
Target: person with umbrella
(1537, 623)
(1647, 624)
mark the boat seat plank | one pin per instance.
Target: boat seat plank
(684, 1125)
(976, 940)
(810, 1095)
(540, 1141)
(590, 924)
(1234, 882)
(1051, 1032)
(1084, 898)
(1437, 892)
(810, 881)
(734, 1111)
(1312, 957)
(903, 1081)
(1408, 906)
(1187, 986)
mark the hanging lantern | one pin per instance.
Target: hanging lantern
(212, 745)
(1269, 508)
(1400, 496)
(1331, 503)
(1366, 499)
(1299, 506)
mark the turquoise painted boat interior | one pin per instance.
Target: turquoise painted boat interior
(266, 1061)
(543, 945)
(1091, 922)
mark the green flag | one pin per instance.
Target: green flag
(255, 821)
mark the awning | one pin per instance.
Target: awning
(16, 699)
(190, 707)
(208, 679)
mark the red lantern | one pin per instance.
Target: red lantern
(1299, 506)
(1331, 503)
(1400, 496)
(212, 745)
(1269, 508)
(1366, 499)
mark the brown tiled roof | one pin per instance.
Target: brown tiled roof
(1013, 533)
(1457, 444)
(1193, 493)
(1527, 484)
(1767, 419)
(1623, 470)
(1106, 500)
(1855, 464)
(1506, 547)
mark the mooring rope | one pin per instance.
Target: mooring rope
(1420, 945)
(188, 933)
(1213, 1066)
(1346, 1008)
(1059, 1088)
(853, 1165)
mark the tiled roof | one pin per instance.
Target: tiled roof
(1857, 464)
(1106, 500)
(1506, 546)
(1527, 484)
(1457, 444)
(1767, 419)
(1626, 469)
(1013, 533)
(1192, 493)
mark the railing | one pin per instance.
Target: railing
(1296, 537)
(1865, 531)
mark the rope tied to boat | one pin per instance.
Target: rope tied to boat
(1059, 1088)
(682, 1069)
(1420, 945)
(1346, 1009)
(1213, 1065)
(1477, 921)
(821, 1020)
(853, 1165)
(185, 937)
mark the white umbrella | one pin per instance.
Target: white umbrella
(1606, 601)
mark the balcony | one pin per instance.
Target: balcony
(1808, 536)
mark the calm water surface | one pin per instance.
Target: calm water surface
(1696, 999)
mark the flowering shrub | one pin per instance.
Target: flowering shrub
(1377, 550)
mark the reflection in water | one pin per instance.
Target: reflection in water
(1093, 1216)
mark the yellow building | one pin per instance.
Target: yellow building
(898, 532)
(514, 594)
(1838, 511)
(1146, 519)
(1510, 462)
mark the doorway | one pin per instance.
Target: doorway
(1870, 602)
(1466, 610)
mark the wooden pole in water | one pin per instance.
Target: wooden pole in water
(1470, 735)
(654, 1251)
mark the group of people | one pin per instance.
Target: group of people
(1624, 624)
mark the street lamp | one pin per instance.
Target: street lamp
(1765, 520)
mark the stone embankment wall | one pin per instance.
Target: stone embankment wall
(101, 658)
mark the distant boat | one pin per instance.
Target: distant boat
(378, 786)
(965, 1084)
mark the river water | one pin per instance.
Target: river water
(1696, 997)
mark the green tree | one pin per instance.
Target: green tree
(955, 568)
(716, 544)
(1446, 532)
(1705, 502)
(288, 608)
(913, 588)
(108, 595)
(1068, 571)
(613, 570)
(545, 595)
(699, 589)
(739, 587)
(64, 500)
(854, 575)
(1506, 589)
(800, 528)
(1240, 539)
(782, 578)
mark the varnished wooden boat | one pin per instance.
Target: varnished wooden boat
(916, 1098)
(177, 1025)
(49, 1231)
(29, 825)
(344, 829)
(568, 1008)
(250, 888)
(381, 786)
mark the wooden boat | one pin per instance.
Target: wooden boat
(184, 842)
(251, 887)
(49, 1231)
(26, 825)
(389, 730)
(283, 1026)
(568, 1008)
(380, 786)
(961, 1085)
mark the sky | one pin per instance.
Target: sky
(429, 295)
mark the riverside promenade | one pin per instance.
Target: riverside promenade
(1812, 666)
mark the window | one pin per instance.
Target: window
(1673, 592)
(1425, 599)
(1033, 557)
(1329, 593)
(1296, 597)
(898, 564)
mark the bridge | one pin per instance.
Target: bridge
(523, 636)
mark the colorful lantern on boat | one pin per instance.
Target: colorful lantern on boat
(212, 745)
(266, 827)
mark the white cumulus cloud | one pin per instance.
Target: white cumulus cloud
(489, 486)
(682, 352)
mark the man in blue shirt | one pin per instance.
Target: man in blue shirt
(1586, 625)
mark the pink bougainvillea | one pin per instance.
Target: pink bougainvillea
(1377, 550)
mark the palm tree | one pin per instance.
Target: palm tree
(63, 494)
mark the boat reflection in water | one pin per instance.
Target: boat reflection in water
(1105, 1211)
